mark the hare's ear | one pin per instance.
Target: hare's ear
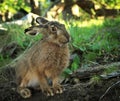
(53, 29)
(34, 30)
(41, 20)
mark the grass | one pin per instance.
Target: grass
(98, 40)
(110, 70)
(95, 79)
(4, 61)
(16, 33)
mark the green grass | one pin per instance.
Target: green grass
(16, 34)
(4, 61)
(98, 40)
(110, 70)
(95, 79)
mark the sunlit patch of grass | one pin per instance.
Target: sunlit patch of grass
(85, 23)
(95, 79)
(83, 33)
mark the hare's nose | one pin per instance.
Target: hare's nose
(26, 30)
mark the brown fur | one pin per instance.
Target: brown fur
(41, 65)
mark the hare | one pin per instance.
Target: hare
(41, 65)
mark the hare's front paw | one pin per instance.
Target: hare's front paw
(24, 92)
(58, 89)
(48, 91)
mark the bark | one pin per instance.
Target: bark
(86, 5)
(98, 70)
(35, 7)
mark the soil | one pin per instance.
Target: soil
(82, 91)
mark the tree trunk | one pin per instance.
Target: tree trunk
(35, 7)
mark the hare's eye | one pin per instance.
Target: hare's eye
(53, 28)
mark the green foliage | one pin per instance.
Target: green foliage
(4, 61)
(75, 64)
(67, 72)
(44, 5)
(110, 70)
(95, 79)
(98, 39)
(82, 33)
(91, 56)
(13, 6)
(16, 33)
(94, 39)
(111, 4)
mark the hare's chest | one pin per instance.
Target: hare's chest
(63, 58)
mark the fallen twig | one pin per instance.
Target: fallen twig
(108, 90)
(91, 71)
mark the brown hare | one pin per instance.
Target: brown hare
(41, 65)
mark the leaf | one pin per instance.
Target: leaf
(67, 71)
(75, 64)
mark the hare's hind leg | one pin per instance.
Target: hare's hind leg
(22, 88)
(24, 92)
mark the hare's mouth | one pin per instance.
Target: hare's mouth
(67, 40)
(64, 41)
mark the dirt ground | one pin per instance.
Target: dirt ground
(83, 91)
